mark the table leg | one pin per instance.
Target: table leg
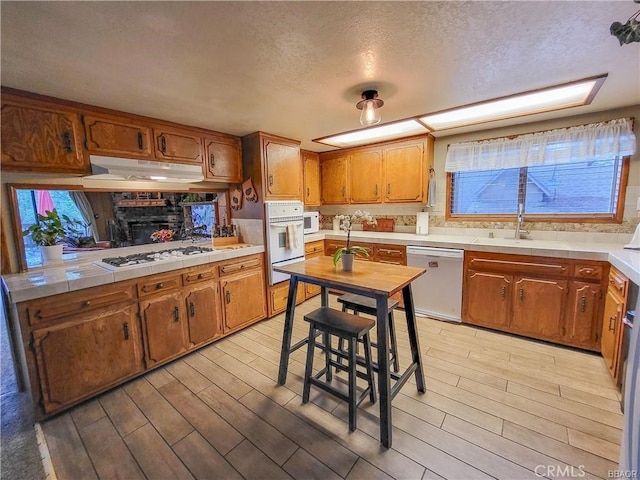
(384, 373)
(414, 341)
(288, 330)
(324, 296)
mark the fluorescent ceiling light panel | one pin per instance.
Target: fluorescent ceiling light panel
(388, 131)
(568, 95)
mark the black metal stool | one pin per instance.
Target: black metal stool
(361, 304)
(353, 329)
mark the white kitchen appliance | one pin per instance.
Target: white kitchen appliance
(311, 222)
(284, 235)
(437, 293)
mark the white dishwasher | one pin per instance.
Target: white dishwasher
(437, 293)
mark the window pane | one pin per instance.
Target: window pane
(580, 188)
(485, 192)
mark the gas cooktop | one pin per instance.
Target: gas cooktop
(151, 257)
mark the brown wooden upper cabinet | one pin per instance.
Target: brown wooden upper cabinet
(365, 181)
(38, 137)
(176, 145)
(275, 163)
(392, 172)
(334, 180)
(311, 171)
(283, 169)
(405, 172)
(223, 159)
(107, 135)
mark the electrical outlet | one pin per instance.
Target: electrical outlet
(638, 206)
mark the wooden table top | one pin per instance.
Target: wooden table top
(377, 278)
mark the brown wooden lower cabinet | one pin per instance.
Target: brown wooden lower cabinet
(86, 353)
(612, 326)
(164, 327)
(78, 344)
(554, 299)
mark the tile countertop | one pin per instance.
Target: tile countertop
(625, 260)
(77, 270)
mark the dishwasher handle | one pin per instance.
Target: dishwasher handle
(434, 252)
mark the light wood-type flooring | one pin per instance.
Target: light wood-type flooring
(496, 406)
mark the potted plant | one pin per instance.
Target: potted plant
(47, 234)
(349, 252)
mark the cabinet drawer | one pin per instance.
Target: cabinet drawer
(43, 310)
(588, 271)
(314, 248)
(240, 265)
(618, 283)
(158, 284)
(199, 275)
(391, 254)
(542, 267)
(330, 246)
(279, 295)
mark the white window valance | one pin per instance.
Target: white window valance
(585, 143)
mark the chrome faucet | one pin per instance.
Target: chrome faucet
(520, 232)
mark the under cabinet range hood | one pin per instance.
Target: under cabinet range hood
(113, 168)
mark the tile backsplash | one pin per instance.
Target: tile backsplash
(404, 217)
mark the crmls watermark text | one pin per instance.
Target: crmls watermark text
(631, 474)
(560, 471)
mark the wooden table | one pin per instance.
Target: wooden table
(372, 279)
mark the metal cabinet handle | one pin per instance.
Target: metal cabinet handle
(176, 314)
(503, 292)
(192, 309)
(375, 190)
(86, 303)
(270, 180)
(200, 276)
(228, 297)
(521, 294)
(388, 188)
(307, 192)
(612, 329)
(125, 330)
(163, 144)
(66, 142)
(212, 160)
(583, 304)
(159, 285)
(344, 191)
(140, 144)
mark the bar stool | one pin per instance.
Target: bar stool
(367, 305)
(352, 329)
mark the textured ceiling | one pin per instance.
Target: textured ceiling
(296, 69)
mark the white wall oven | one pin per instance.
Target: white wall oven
(284, 236)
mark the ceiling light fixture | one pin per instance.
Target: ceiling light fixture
(369, 105)
(573, 94)
(388, 131)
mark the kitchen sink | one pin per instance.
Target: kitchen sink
(521, 242)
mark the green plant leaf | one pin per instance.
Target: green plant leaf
(337, 255)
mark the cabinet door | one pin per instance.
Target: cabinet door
(583, 315)
(311, 166)
(203, 312)
(40, 139)
(538, 307)
(487, 299)
(334, 180)
(404, 173)
(177, 146)
(223, 159)
(243, 299)
(164, 327)
(611, 330)
(119, 137)
(86, 354)
(312, 250)
(365, 181)
(283, 170)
